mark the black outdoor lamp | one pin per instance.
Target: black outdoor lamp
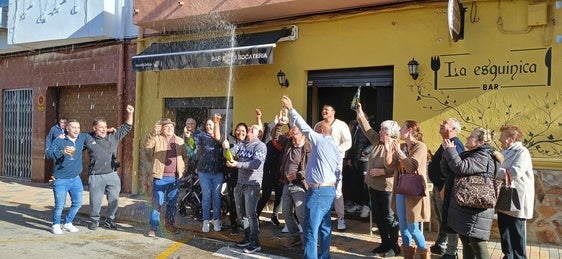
(282, 79)
(413, 67)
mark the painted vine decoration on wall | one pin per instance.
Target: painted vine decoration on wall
(543, 111)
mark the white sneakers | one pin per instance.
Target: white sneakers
(57, 229)
(286, 229)
(354, 208)
(70, 228)
(205, 227)
(217, 225)
(365, 211)
(341, 224)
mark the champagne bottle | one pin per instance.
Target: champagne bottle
(228, 155)
(356, 99)
(191, 142)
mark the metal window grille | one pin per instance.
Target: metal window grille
(16, 135)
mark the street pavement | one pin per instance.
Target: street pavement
(356, 242)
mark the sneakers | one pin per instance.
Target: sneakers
(110, 224)
(341, 224)
(286, 229)
(217, 225)
(274, 220)
(70, 228)
(234, 231)
(436, 249)
(365, 211)
(93, 225)
(243, 243)
(354, 208)
(56, 229)
(205, 227)
(151, 233)
(252, 248)
(293, 241)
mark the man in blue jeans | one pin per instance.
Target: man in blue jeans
(169, 164)
(67, 153)
(251, 156)
(322, 176)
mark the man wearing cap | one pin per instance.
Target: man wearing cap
(169, 164)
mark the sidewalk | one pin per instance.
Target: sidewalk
(356, 241)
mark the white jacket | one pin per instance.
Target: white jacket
(518, 161)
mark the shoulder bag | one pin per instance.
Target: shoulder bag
(477, 191)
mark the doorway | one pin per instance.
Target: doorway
(337, 87)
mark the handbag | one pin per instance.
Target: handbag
(477, 191)
(410, 184)
(508, 198)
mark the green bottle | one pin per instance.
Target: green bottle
(228, 155)
(356, 99)
(191, 142)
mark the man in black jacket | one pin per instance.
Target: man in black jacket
(446, 244)
(103, 177)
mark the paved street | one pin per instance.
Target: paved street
(26, 209)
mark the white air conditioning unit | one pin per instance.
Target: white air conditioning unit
(4, 18)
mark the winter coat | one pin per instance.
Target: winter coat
(467, 221)
(518, 161)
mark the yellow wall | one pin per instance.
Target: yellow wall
(392, 37)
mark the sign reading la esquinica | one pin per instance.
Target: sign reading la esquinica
(518, 68)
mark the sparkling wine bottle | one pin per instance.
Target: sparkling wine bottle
(356, 99)
(228, 155)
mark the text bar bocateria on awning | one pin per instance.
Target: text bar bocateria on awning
(246, 49)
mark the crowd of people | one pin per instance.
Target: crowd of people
(310, 169)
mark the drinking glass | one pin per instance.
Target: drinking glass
(72, 151)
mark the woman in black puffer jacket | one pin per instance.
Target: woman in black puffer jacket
(473, 225)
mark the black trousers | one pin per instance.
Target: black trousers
(513, 236)
(384, 217)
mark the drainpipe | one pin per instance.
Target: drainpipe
(120, 104)
(135, 188)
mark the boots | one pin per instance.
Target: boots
(408, 251)
(424, 253)
(394, 239)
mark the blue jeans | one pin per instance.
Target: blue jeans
(408, 230)
(246, 199)
(317, 219)
(164, 190)
(293, 200)
(72, 186)
(211, 188)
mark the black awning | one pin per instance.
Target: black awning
(246, 49)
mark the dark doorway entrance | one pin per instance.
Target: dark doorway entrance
(337, 87)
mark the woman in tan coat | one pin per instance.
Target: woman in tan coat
(411, 157)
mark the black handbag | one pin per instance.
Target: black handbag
(508, 199)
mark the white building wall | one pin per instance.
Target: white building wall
(36, 24)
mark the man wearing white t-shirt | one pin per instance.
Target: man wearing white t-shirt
(342, 136)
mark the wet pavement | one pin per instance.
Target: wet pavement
(357, 241)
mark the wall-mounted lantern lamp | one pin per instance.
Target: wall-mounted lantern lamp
(413, 68)
(281, 79)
